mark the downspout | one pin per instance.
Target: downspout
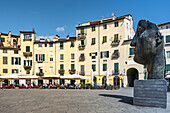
(99, 49)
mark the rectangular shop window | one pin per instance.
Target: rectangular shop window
(131, 51)
(94, 67)
(104, 67)
(28, 48)
(5, 60)
(5, 70)
(5, 51)
(15, 51)
(51, 59)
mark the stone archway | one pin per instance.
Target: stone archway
(132, 74)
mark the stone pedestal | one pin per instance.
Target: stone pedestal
(150, 93)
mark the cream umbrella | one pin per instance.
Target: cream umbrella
(107, 77)
(92, 78)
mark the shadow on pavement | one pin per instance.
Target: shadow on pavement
(124, 99)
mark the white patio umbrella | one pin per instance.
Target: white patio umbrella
(74, 77)
(107, 77)
(12, 76)
(92, 78)
(167, 76)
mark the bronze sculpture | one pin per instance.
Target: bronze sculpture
(149, 49)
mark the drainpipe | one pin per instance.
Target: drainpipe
(99, 49)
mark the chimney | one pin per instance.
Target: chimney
(101, 20)
(79, 25)
(160, 23)
(68, 36)
(33, 29)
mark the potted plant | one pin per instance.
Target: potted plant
(82, 86)
(58, 86)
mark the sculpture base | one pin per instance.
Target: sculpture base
(150, 93)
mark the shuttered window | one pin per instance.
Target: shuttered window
(93, 28)
(16, 60)
(5, 60)
(27, 48)
(131, 51)
(61, 45)
(72, 67)
(104, 67)
(2, 39)
(168, 67)
(72, 43)
(94, 67)
(104, 39)
(51, 45)
(168, 39)
(116, 67)
(105, 54)
(93, 41)
(61, 66)
(40, 57)
(116, 37)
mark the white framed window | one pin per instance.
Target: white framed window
(168, 54)
(40, 57)
(105, 54)
(51, 69)
(72, 56)
(51, 59)
(16, 60)
(61, 57)
(51, 52)
(27, 36)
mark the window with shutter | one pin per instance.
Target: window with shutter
(168, 67)
(131, 51)
(72, 66)
(104, 67)
(5, 60)
(2, 39)
(168, 39)
(61, 66)
(27, 48)
(61, 45)
(72, 43)
(94, 67)
(51, 45)
(116, 67)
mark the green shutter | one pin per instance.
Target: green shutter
(2, 39)
(12, 70)
(30, 62)
(16, 70)
(104, 67)
(116, 67)
(24, 62)
(36, 57)
(168, 39)
(12, 60)
(43, 57)
(94, 67)
(131, 51)
(168, 67)
(19, 60)
(72, 66)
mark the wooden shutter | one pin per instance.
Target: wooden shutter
(43, 57)
(116, 67)
(24, 62)
(36, 57)
(30, 62)
(12, 70)
(107, 54)
(19, 60)
(101, 55)
(12, 60)
(89, 54)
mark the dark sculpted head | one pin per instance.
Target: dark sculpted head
(149, 46)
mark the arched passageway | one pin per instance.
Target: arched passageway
(132, 74)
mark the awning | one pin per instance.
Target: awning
(28, 77)
(51, 77)
(74, 77)
(12, 76)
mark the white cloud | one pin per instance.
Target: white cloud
(60, 29)
(45, 37)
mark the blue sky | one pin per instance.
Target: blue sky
(60, 17)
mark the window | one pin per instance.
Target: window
(45, 44)
(105, 26)
(82, 69)
(27, 62)
(61, 45)
(131, 51)
(116, 67)
(82, 56)
(28, 48)
(72, 66)
(5, 70)
(28, 72)
(105, 54)
(51, 52)
(82, 30)
(168, 54)
(93, 41)
(116, 53)
(82, 42)
(61, 66)
(2, 39)
(168, 67)
(15, 60)
(116, 37)
(4, 51)
(51, 45)
(168, 27)
(168, 39)
(72, 43)
(104, 39)
(94, 67)
(72, 56)
(40, 45)
(116, 24)
(27, 36)
(15, 71)
(61, 57)
(93, 28)
(40, 57)
(93, 55)
(15, 51)
(51, 59)
(104, 67)
(5, 60)
(51, 69)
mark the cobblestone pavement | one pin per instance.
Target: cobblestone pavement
(72, 101)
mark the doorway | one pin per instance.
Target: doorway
(132, 74)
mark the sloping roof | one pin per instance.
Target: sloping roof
(164, 24)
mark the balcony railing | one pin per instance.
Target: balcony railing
(82, 35)
(115, 43)
(40, 74)
(27, 54)
(115, 55)
(82, 73)
(115, 72)
(81, 58)
(27, 67)
(61, 71)
(72, 71)
(81, 47)
(27, 39)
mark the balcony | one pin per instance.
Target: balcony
(61, 71)
(115, 55)
(27, 39)
(27, 67)
(81, 47)
(81, 58)
(40, 74)
(72, 71)
(27, 54)
(82, 73)
(82, 35)
(115, 43)
(115, 72)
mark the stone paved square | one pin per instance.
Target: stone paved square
(72, 101)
